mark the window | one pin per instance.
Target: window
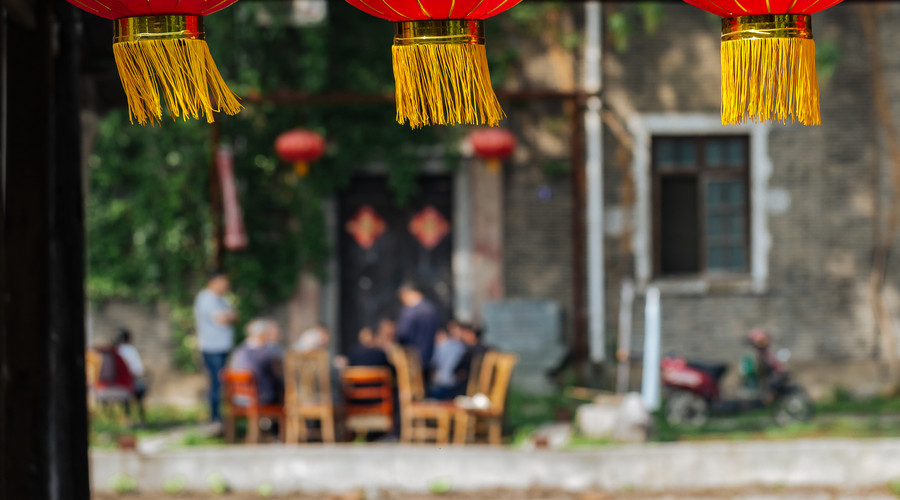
(701, 204)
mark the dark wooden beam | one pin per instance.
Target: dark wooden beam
(288, 97)
(43, 414)
(579, 241)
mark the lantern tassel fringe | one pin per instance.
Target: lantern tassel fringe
(770, 79)
(185, 72)
(444, 84)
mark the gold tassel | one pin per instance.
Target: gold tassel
(164, 58)
(441, 75)
(769, 70)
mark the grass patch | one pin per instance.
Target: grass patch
(761, 427)
(530, 410)
(107, 426)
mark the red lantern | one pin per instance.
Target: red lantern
(300, 147)
(494, 145)
(161, 55)
(441, 74)
(768, 59)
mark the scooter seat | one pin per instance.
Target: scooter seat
(715, 370)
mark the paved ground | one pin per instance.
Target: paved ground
(544, 494)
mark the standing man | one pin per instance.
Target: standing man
(418, 322)
(215, 333)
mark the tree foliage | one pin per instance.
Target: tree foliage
(148, 213)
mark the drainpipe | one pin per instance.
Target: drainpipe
(593, 130)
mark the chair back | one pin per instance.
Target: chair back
(475, 384)
(240, 389)
(496, 372)
(409, 375)
(92, 361)
(307, 378)
(368, 398)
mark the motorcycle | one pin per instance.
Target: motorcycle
(694, 393)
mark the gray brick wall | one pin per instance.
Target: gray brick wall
(817, 300)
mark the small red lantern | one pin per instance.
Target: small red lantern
(768, 59)
(494, 145)
(162, 57)
(300, 147)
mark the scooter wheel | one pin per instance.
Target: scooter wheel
(686, 409)
(795, 406)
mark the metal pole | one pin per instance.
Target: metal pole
(650, 383)
(594, 171)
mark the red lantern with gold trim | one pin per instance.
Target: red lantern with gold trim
(768, 59)
(494, 145)
(440, 65)
(300, 147)
(162, 56)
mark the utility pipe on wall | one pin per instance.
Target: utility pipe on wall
(593, 52)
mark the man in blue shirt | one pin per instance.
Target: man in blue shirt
(418, 322)
(214, 318)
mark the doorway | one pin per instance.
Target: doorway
(383, 244)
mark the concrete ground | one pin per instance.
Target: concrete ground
(851, 465)
(750, 493)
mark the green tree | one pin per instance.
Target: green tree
(148, 215)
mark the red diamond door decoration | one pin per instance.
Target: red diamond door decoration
(429, 227)
(366, 227)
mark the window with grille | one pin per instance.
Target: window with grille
(701, 205)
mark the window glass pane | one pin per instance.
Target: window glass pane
(687, 153)
(737, 152)
(715, 258)
(725, 225)
(736, 192)
(714, 152)
(725, 152)
(676, 153)
(738, 259)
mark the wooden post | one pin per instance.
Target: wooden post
(579, 242)
(215, 193)
(43, 411)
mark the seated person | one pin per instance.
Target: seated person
(312, 339)
(386, 335)
(367, 352)
(260, 354)
(475, 350)
(129, 353)
(448, 351)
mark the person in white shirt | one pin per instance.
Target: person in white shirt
(215, 334)
(129, 353)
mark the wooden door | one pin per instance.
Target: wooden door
(383, 244)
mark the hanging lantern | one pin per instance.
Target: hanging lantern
(162, 56)
(300, 147)
(441, 73)
(768, 59)
(494, 145)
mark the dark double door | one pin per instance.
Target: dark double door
(373, 265)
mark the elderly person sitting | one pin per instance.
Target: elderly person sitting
(261, 354)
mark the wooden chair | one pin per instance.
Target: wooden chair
(416, 414)
(368, 393)
(242, 401)
(493, 381)
(307, 386)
